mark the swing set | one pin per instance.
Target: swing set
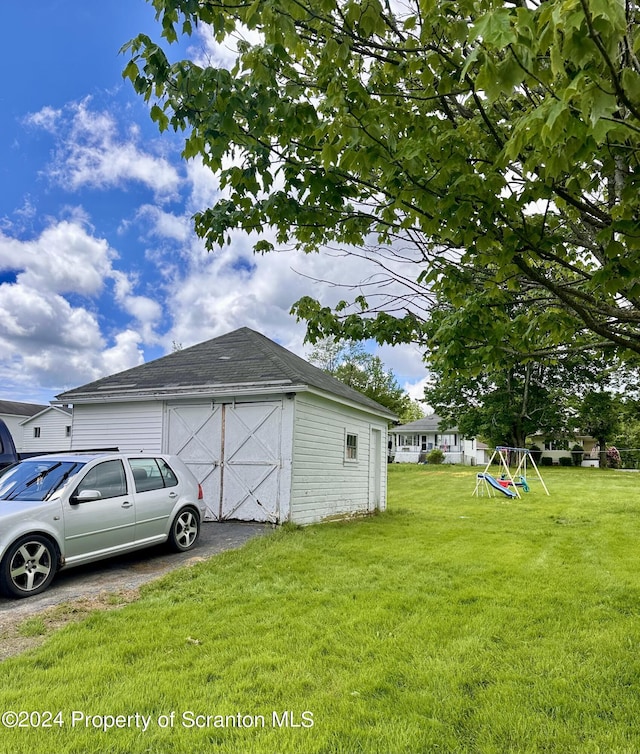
(508, 484)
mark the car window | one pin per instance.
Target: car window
(170, 479)
(152, 474)
(107, 478)
(37, 480)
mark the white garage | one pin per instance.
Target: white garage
(269, 436)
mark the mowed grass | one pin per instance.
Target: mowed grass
(448, 624)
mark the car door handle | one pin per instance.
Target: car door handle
(173, 494)
(127, 504)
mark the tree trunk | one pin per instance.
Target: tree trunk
(602, 442)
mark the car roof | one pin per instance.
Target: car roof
(87, 457)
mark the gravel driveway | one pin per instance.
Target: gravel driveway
(90, 586)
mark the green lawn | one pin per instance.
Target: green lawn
(449, 624)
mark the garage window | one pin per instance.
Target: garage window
(351, 447)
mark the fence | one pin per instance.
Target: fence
(622, 458)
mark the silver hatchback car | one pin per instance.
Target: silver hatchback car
(59, 511)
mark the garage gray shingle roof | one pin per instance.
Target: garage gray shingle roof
(240, 358)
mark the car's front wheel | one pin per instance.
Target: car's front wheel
(28, 567)
(185, 530)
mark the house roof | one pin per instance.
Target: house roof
(240, 361)
(16, 408)
(65, 410)
(427, 424)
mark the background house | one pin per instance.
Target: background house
(13, 413)
(269, 436)
(556, 448)
(410, 443)
(47, 431)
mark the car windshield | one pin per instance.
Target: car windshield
(37, 480)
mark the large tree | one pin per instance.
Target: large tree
(503, 408)
(349, 362)
(511, 383)
(600, 417)
(499, 137)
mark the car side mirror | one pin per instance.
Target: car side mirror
(86, 496)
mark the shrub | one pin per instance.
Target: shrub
(565, 461)
(536, 453)
(435, 456)
(613, 458)
(546, 461)
(577, 452)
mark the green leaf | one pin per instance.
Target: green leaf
(631, 84)
(495, 29)
(611, 10)
(131, 71)
(159, 117)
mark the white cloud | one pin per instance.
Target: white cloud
(126, 353)
(90, 152)
(213, 293)
(415, 390)
(146, 311)
(47, 342)
(46, 119)
(51, 334)
(31, 319)
(166, 224)
(56, 331)
(204, 186)
(406, 361)
(65, 258)
(207, 51)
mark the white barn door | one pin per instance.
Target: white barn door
(234, 452)
(251, 476)
(195, 435)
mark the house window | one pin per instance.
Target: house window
(36, 431)
(67, 431)
(448, 440)
(351, 447)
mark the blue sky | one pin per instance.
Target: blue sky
(100, 269)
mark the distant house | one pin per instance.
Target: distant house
(269, 436)
(48, 430)
(410, 443)
(557, 448)
(13, 413)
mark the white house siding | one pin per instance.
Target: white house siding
(52, 425)
(14, 425)
(133, 427)
(324, 484)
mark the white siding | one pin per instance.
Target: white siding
(131, 427)
(324, 484)
(52, 425)
(14, 425)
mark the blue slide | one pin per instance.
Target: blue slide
(496, 485)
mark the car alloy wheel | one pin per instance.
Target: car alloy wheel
(28, 567)
(185, 529)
